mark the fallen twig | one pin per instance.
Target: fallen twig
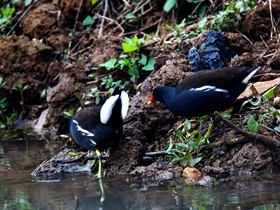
(248, 136)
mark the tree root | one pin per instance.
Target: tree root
(248, 136)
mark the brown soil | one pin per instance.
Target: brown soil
(36, 57)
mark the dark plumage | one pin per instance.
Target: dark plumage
(98, 128)
(205, 92)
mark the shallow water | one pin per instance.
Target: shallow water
(21, 152)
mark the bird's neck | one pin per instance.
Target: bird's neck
(166, 94)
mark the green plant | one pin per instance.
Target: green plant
(266, 114)
(230, 17)
(253, 125)
(6, 116)
(179, 31)
(3, 109)
(94, 96)
(169, 4)
(6, 14)
(191, 149)
(131, 61)
(21, 89)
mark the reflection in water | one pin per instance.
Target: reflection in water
(20, 155)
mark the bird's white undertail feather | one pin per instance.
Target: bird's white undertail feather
(246, 80)
(106, 109)
(125, 103)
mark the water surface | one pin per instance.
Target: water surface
(22, 152)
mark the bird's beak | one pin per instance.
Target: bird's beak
(70, 138)
(151, 100)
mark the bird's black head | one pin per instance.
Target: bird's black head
(160, 93)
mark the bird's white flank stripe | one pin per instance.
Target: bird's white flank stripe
(204, 88)
(207, 88)
(221, 90)
(83, 131)
(125, 103)
(93, 142)
(106, 109)
(246, 80)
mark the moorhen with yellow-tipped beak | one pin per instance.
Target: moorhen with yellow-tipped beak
(98, 128)
(205, 92)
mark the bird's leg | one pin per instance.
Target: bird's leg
(99, 175)
(93, 163)
(225, 114)
(102, 198)
(209, 131)
(207, 134)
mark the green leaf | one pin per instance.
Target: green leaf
(187, 125)
(201, 11)
(27, 2)
(201, 24)
(87, 21)
(176, 159)
(271, 93)
(94, 2)
(180, 133)
(143, 60)
(169, 27)
(168, 151)
(134, 72)
(97, 100)
(253, 125)
(194, 161)
(192, 144)
(183, 162)
(110, 64)
(70, 112)
(128, 48)
(19, 84)
(168, 5)
(182, 145)
(150, 65)
(200, 207)
(254, 103)
(129, 16)
(277, 128)
(15, 1)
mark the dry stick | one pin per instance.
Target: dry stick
(112, 21)
(135, 11)
(102, 20)
(58, 12)
(23, 14)
(263, 41)
(126, 3)
(159, 23)
(143, 29)
(74, 28)
(271, 19)
(248, 136)
(80, 42)
(245, 37)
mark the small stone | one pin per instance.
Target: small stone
(276, 102)
(191, 174)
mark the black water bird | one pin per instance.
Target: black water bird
(205, 92)
(100, 127)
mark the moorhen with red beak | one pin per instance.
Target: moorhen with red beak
(205, 92)
(98, 128)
